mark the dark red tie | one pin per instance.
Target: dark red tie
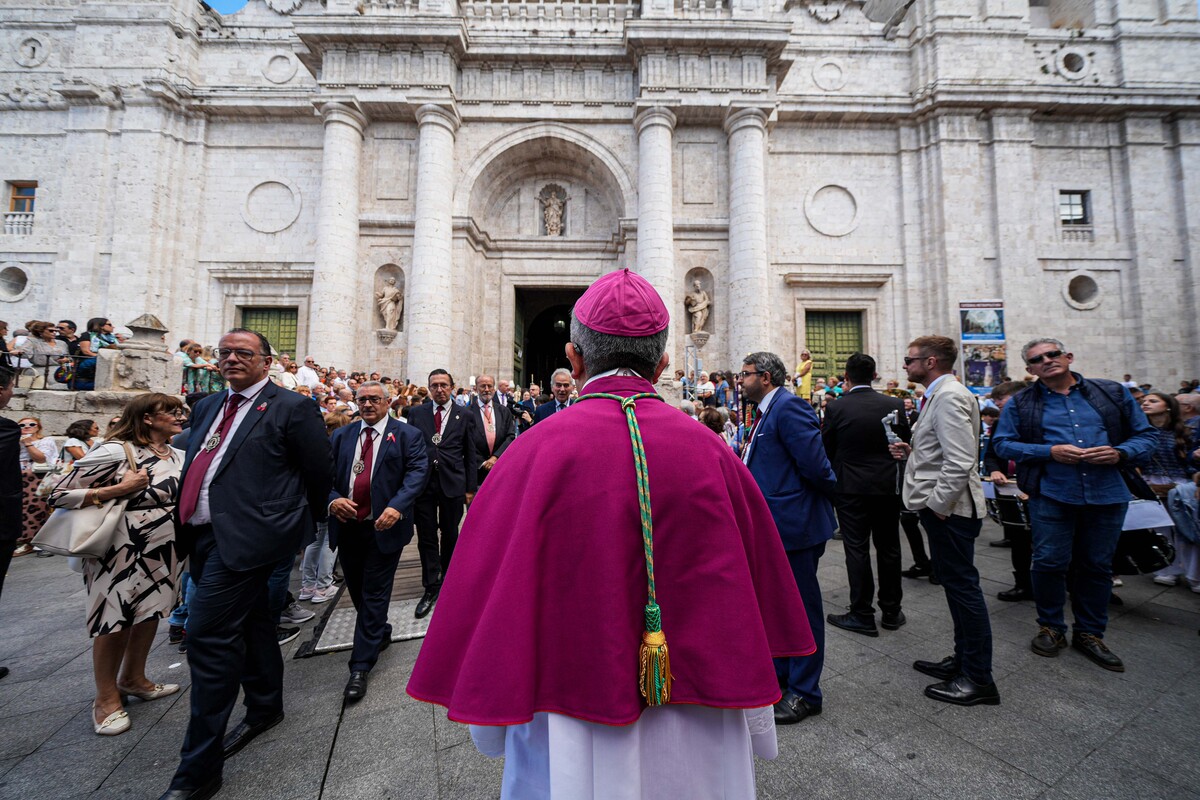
(437, 420)
(189, 494)
(362, 481)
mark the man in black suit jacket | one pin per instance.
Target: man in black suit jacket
(453, 478)
(255, 478)
(488, 411)
(560, 386)
(380, 468)
(10, 481)
(868, 499)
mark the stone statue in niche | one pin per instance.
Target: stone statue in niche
(554, 207)
(390, 301)
(697, 302)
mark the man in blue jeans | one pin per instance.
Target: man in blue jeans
(1070, 436)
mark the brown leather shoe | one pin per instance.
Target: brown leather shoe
(1048, 642)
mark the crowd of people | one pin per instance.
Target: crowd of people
(268, 465)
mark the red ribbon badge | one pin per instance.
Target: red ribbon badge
(262, 407)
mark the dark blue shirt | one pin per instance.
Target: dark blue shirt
(1070, 419)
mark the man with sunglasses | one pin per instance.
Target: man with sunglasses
(256, 476)
(1070, 437)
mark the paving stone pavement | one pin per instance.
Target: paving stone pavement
(1066, 730)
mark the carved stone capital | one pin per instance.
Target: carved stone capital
(433, 114)
(739, 118)
(345, 112)
(655, 115)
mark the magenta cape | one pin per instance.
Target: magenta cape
(541, 609)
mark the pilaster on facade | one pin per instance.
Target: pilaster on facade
(750, 325)
(656, 233)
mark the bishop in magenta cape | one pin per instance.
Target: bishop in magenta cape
(542, 610)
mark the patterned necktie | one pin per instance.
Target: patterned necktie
(489, 427)
(361, 493)
(189, 494)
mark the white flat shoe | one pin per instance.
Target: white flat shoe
(159, 690)
(114, 724)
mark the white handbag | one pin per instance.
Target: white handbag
(87, 531)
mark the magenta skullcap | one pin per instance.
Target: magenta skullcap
(622, 303)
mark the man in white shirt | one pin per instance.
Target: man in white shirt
(307, 374)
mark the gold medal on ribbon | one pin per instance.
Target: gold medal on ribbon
(437, 438)
(358, 467)
(213, 442)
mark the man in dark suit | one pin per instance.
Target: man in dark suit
(10, 481)
(255, 478)
(560, 386)
(380, 468)
(868, 498)
(454, 475)
(494, 427)
(785, 455)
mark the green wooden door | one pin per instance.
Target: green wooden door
(832, 337)
(277, 324)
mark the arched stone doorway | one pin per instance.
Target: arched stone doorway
(544, 317)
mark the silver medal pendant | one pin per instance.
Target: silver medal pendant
(437, 438)
(358, 467)
(213, 442)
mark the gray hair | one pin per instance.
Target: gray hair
(560, 371)
(604, 351)
(369, 385)
(768, 362)
(1030, 345)
(687, 407)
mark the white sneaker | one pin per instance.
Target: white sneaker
(1166, 580)
(306, 593)
(325, 595)
(295, 614)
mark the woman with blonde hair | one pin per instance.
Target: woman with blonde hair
(134, 585)
(37, 453)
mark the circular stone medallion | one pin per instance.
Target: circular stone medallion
(271, 206)
(832, 210)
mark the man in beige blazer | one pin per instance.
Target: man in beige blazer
(941, 483)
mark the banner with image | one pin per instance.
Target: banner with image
(982, 342)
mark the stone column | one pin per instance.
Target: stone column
(336, 298)
(750, 301)
(656, 226)
(427, 311)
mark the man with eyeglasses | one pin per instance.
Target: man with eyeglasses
(255, 478)
(1071, 436)
(307, 374)
(787, 459)
(494, 428)
(380, 468)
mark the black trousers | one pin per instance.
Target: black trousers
(6, 550)
(369, 574)
(916, 542)
(231, 642)
(952, 544)
(1021, 553)
(864, 519)
(435, 513)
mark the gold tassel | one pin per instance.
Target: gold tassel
(654, 669)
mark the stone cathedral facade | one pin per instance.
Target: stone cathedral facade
(410, 184)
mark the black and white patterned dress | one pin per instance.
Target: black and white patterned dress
(138, 578)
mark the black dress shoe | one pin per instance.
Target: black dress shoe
(792, 708)
(962, 691)
(356, 687)
(1005, 542)
(853, 623)
(425, 605)
(892, 620)
(204, 792)
(1094, 648)
(245, 733)
(3, 672)
(915, 572)
(947, 669)
(1014, 594)
(1048, 642)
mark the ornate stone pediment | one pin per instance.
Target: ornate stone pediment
(284, 6)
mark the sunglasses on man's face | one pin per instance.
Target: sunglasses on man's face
(1052, 354)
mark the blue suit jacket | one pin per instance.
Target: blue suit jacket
(401, 472)
(789, 464)
(272, 482)
(545, 410)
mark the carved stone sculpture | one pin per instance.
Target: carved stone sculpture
(391, 304)
(553, 207)
(697, 302)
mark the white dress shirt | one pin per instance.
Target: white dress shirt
(380, 429)
(202, 514)
(445, 414)
(763, 405)
(307, 376)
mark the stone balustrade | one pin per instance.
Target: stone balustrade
(18, 223)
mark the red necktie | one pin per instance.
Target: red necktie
(489, 427)
(189, 494)
(362, 481)
(750, 435)
(437, 420)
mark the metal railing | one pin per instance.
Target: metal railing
(67, 373)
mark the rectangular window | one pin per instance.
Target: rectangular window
(1074, 207)
(22, 196)
(277, 324)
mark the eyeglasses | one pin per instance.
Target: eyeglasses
(177, 413)
(747, 374)
(29, 425)
(371, 400)
(1052, 354)
(912, 359)
(239, 353)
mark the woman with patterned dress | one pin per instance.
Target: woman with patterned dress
(40, 450)
(134, 584)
